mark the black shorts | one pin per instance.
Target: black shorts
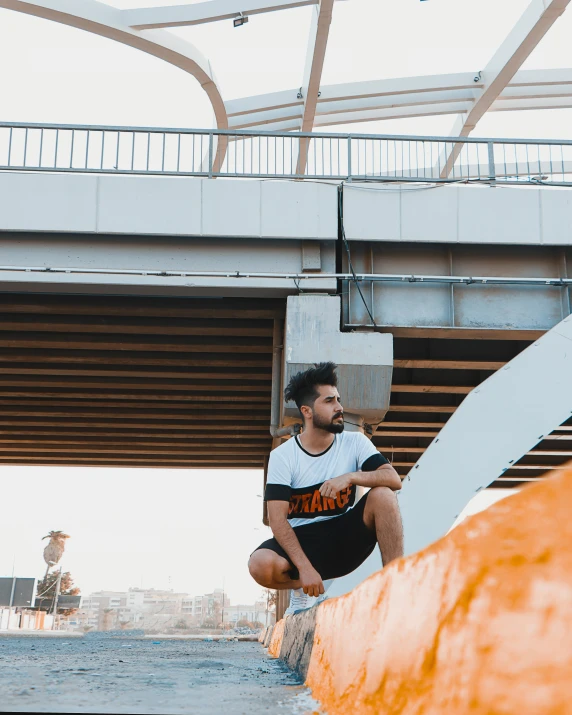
(335, 547)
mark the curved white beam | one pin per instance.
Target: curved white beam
(144, 18)
(316, 54)
(104, 20)
(509, 412)
(355, 90)
(423, 110)
(517, 47)
(373, 100)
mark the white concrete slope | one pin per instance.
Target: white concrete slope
(497, 423)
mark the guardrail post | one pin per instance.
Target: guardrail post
(492, 168)
(349, 158)
(211, 141)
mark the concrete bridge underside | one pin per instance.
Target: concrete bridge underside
(186, 383)
(137, 314)
(135, 382)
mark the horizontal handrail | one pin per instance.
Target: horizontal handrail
(107, 149)
(259, 132)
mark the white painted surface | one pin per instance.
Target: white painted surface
(231, 208)
(425, 95)
(45, 202)
(499, 215)
(184, 206)
(167, 206)
(496, 424)
(313, 334)
(435, 210)
(157, 205)
(459, 214)
(310, 209)
(203, 12)
(163, 253)
(374, 214)
(556, 217)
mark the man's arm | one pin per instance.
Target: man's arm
(286, 537)
(384, 476)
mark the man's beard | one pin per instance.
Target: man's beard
(332, 427)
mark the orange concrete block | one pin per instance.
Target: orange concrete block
(276, 640)
(479, 622)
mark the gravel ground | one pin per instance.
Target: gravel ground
(123, 675)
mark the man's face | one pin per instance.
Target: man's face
(328, 412)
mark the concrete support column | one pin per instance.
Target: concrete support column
(365, 367)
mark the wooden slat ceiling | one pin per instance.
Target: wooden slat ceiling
(135, 382)
(431, 377)
(186, 382)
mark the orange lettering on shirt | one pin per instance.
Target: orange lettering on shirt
(339, 500)
(294, 504)
(328, 503)
(305, 502)
(316, 504)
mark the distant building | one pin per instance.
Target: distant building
(252, 614)
(156, 609)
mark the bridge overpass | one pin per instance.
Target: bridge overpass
(141, 309)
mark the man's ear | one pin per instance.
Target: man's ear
(306, 412)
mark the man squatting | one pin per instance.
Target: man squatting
(321, 532)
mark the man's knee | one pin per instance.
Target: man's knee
(261, 567)
(381, 501)
(382, 496)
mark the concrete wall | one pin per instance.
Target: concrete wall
(167, 206)
(184, 206)
(79, 251)
(458, 214)
(478, 622)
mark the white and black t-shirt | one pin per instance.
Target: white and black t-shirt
(296, 476)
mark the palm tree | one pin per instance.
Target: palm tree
(55, 548)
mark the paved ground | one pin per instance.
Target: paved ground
(122, 675)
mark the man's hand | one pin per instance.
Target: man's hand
(333, 487)
(311, 581)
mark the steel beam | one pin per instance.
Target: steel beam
(517, 47)
(146, 18)
(316, 54)
(405, 97)
(494, 427)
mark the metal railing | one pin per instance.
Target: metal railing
(255, 154)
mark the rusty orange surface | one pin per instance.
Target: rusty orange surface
(276, 640)
(479, 622)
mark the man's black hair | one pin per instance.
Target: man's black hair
(302, 387)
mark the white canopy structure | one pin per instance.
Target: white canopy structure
(501, 86)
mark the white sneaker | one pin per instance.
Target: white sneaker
(299, 601)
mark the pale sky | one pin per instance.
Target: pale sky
(53, 73)
(189, 530)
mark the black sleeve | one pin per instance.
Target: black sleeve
(277, 492)
(374, 462)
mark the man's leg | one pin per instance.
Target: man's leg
(270, 570)
(381, 514)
